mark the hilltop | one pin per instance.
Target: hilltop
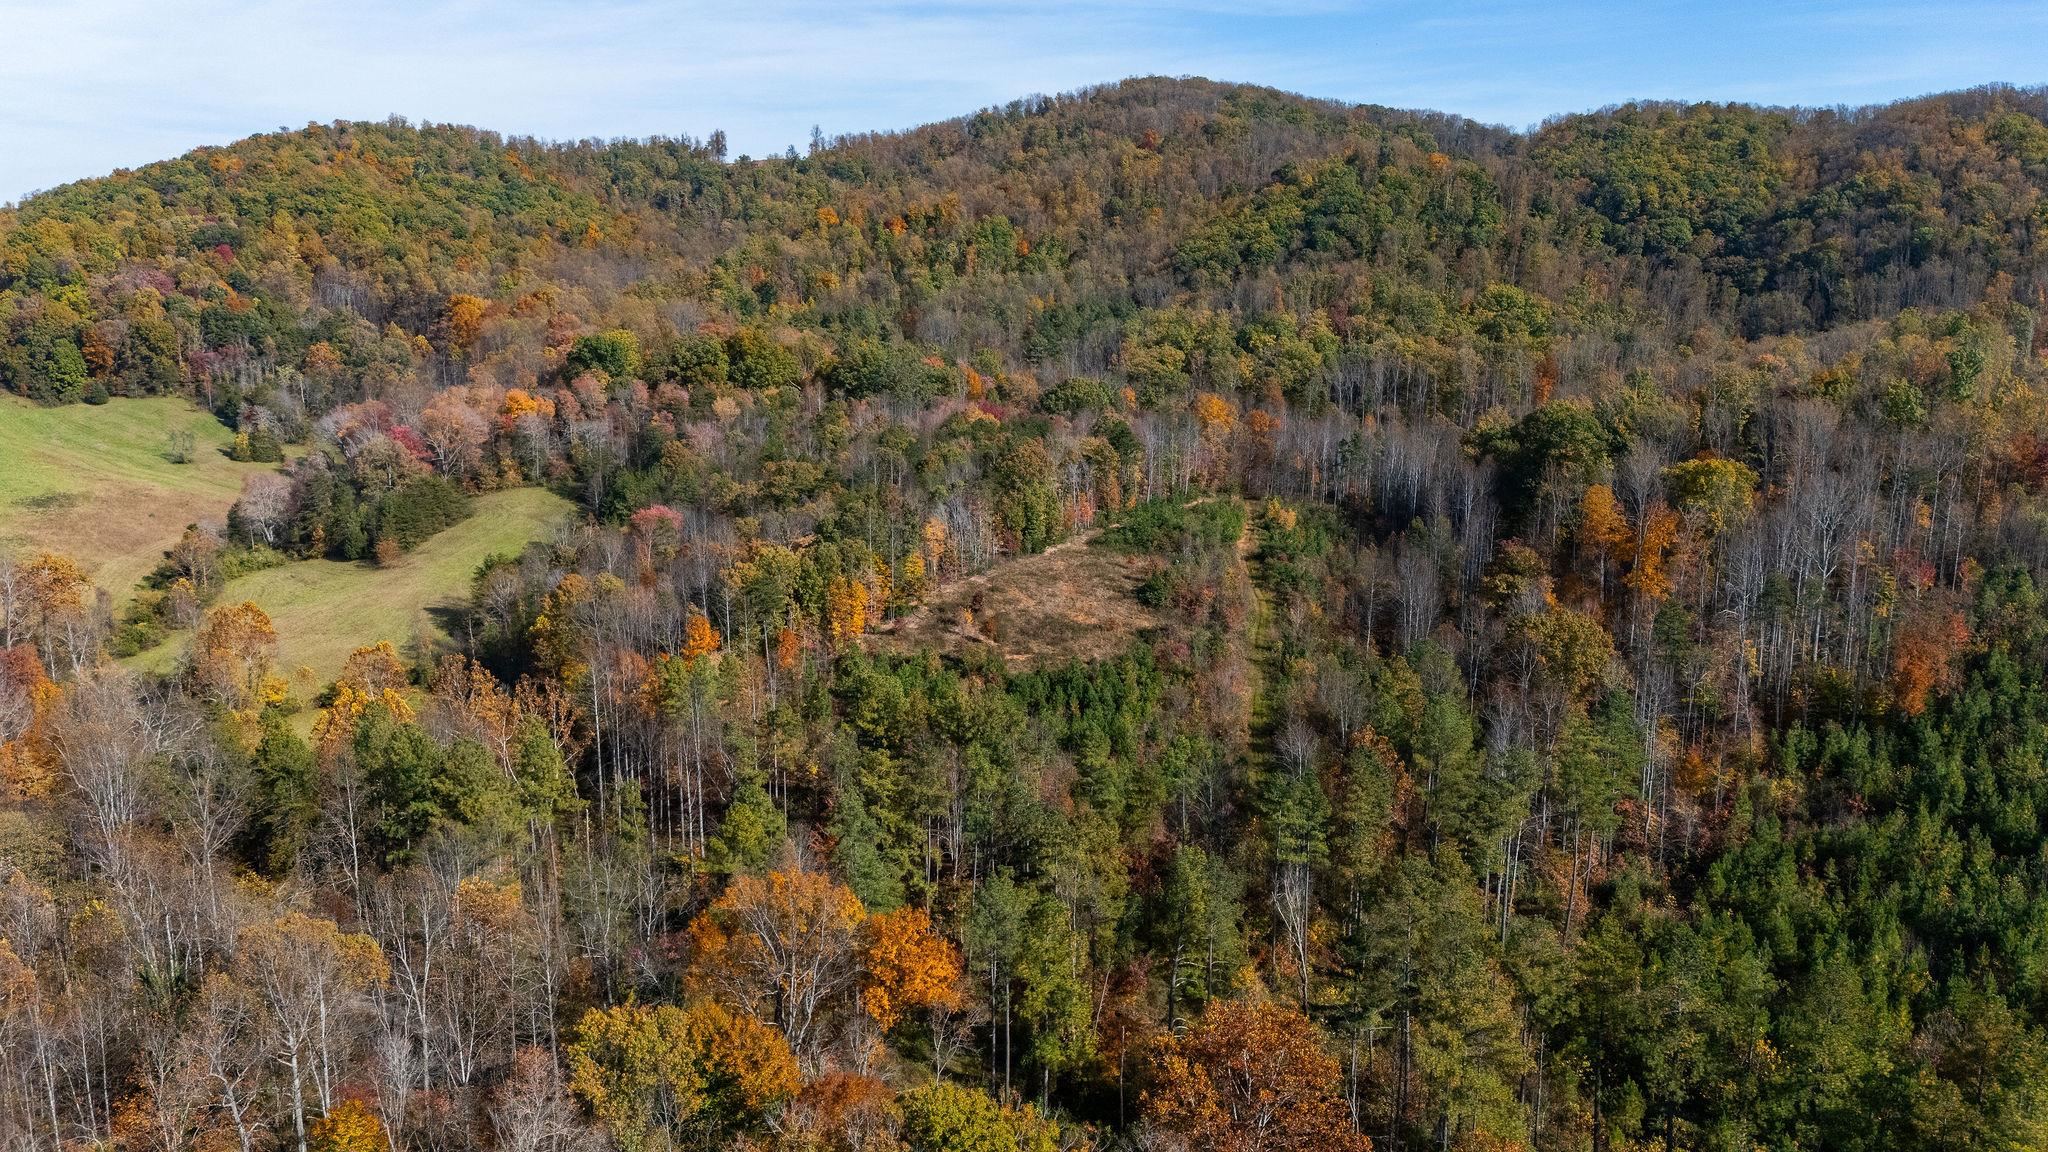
(1033, 232)
(1057, 628)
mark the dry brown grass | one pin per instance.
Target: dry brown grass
(1070, 602)
(98, 484)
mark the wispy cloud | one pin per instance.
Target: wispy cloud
(89, 85)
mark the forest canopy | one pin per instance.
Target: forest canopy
(1587, 683)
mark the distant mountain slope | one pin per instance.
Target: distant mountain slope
(1031, 231)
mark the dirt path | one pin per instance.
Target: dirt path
(1071, 601)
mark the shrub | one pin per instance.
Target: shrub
(415, 510)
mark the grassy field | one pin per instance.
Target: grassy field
(325, 609)
(98, 483)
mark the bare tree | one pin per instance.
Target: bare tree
(531, 1113)
(264, 506)
(228, 1036)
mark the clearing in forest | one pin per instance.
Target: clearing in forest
(1069, 602)
(99, 484)
(325, 609)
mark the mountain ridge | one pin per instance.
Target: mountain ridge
(1160, 602)
(485, 208)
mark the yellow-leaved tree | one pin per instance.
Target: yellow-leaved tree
(650, 1074)
(373, 676)
(349, 1126)
(232, 654)
(846, 609)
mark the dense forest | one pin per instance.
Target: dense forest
(1594, 689)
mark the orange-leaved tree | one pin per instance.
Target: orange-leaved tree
(782, 947)
(1923, 656)
(908, 966)
(1249, 1078)
(1604, 531)
(464, 320)
(1649, 575)
(844, 1112)
(27, 697)
(789, 648)
(699, 637)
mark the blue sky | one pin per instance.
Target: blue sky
(90, 85)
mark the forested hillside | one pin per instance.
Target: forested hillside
(1584, 686)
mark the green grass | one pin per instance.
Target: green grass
(97, 483)
(1174, 523)
(325, 609)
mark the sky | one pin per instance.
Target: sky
(87, 86)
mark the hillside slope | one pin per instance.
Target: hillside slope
(1522, 641)
(101, 483)
(325, 609)
(1036, 232)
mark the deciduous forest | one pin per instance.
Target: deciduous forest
(1565, 666)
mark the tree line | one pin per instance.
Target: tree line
(1596, 704)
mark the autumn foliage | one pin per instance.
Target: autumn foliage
(27, 696)
(1559, 611)
(373, 677)
(782, 947)
(1923, 657)
(846, 610)
(464, 319)
(1250, 1078)
(349, 1126)
(232, 653)
(699, 637)
(908, 967)
(653, 1074)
